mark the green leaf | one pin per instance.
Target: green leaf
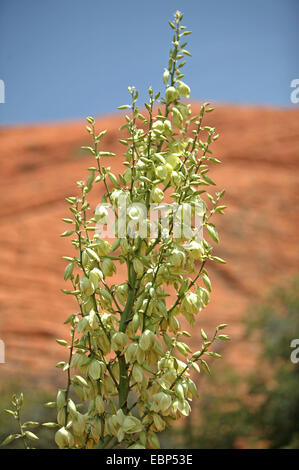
(207, 282)
(68, 271)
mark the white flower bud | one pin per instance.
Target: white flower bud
(128, 175)
(64, 438)
(60, 400)
(157, 195)
(131, 425)
(161, 172)
(118, 341)
(78, 424)
(173, 160)
(176, 179)
(191, 303)
(165, 76)
(137, 373)
(138, 267)
(131, 353)
(184, 90)
(161, 402)
(71, 407)
(146, 340)
(86, 286)
(122, 293)
(95, 276)
(159, 423)
(102, 247)
(124, 246)
(101, 215)
(168, 128)
(94, 369)
(99, 404)
(171, 94)
(158, 125)
(195, 249)
(177, 258)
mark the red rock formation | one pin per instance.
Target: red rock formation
(39, 166)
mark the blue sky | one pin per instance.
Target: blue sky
(64, 59)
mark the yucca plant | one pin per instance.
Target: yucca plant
(129, 366)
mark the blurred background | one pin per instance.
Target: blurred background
(63, 60)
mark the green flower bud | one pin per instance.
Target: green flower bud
(108, 267)
(85, 259)
(179, 391)
(152, 440)
(135, 323)
(177, 117)
(71, 407)
(140, 356)
(159, 423)
(192, 388)
(124, 246)
(61, 417)
(128, 175)
(78, 424)
(95, 370)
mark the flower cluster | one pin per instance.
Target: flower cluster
(129, 363)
